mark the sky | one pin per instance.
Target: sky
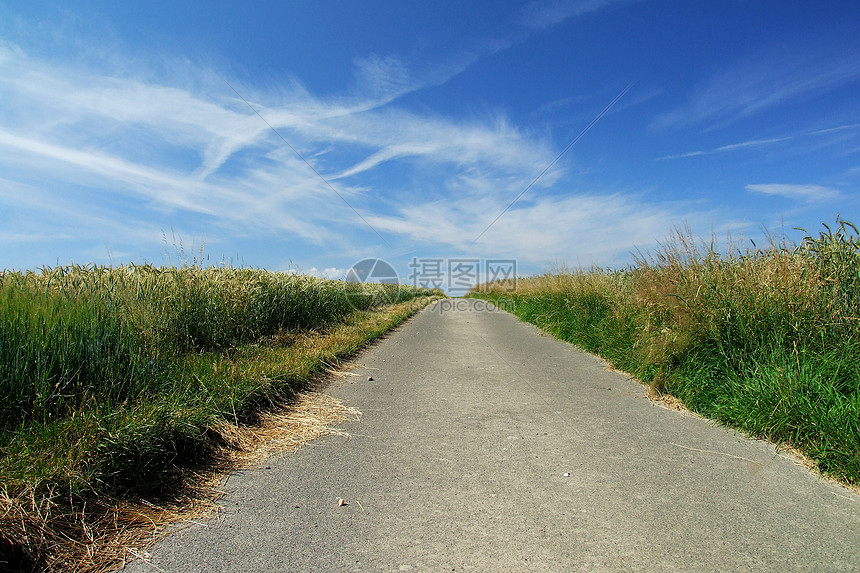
(308, 135)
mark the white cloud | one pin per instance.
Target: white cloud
(544, 14)
(169, 152)
(382, 77)
(765, 80)
(828, 136)
(586, 229)
(150, 182)
(730, 147)
(387, 154)
(117, 160)
(808, 193)
(327, 273)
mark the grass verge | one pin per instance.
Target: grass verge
(763, 340)
(125, 389)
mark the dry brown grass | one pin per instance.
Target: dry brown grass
(312, 416)
(105, 534)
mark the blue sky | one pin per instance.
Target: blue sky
(121, 135)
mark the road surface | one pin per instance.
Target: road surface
(487, 446)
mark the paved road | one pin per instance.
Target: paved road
(486, 446)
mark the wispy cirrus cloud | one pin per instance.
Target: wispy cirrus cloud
(116, 158)
(827, 136)
(389, 153)
(807, 193)
(383, 79)
(172, 152)
(543, 14)
(765, 80)
(726, 148)
(589, 228)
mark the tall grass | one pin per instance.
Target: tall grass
(73, 335)
(115, 382)
(765, 340)
(106, 373)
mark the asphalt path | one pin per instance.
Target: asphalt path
(485, 445)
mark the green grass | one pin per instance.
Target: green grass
(114, 381)
(76, 335)
(764, 340)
